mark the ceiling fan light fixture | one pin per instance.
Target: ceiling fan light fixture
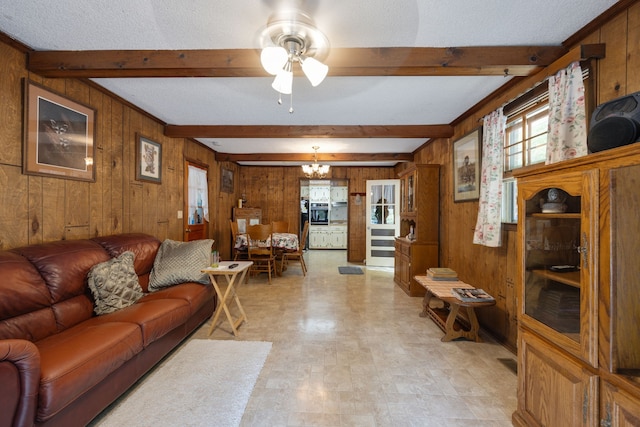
(283, 82)
(273, 59)
(290, 37)
(315, 70)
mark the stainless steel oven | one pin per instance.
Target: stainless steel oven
(319, 214)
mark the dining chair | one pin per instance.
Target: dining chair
(298, 254)
(280, 226)
(260, 250)
(238, 254)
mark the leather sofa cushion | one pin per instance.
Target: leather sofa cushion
(155, 318)
(195, 294)
(64, 265)
(25, 302)
(78, 358)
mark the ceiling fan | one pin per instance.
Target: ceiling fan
(290, 37)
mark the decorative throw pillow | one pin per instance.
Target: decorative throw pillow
(114, 284)
(180, 262)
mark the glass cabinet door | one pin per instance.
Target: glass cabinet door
(557, 297)
(410, 192)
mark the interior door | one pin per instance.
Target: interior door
(196, 201)
(383, 221)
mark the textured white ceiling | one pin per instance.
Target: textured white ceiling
(229, 24)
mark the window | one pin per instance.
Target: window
(509, 200)
(525, 144)
(526, 137)
(525, 141)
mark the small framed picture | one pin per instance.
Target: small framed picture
(466, 166)
(226, 180)
(148, 160)
(59, 135)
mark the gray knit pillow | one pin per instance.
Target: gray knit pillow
(180, 262)
(114, 284)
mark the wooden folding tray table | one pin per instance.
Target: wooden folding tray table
(232, 275)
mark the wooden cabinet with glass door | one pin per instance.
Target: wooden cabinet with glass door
(559, 296)
(558, 215)
(417, 247)
(579, 291)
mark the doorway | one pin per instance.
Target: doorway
(196, 201)
(383, 221)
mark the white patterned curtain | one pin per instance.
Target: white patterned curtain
(489, 223)
(567, 119)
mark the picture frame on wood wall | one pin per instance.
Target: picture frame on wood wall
(226, 180)
(467, 166)
(59, 135)
(148, 160)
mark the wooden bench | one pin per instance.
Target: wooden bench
(447, 318)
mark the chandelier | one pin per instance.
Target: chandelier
(315, 170)
(291, 37)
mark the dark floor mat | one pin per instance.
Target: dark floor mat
(350, 270)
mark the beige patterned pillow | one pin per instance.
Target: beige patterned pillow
(114, 284)
(180, 262)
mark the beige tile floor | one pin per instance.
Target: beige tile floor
(351, 350)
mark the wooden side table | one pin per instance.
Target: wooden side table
(231, 275)
(441, 289)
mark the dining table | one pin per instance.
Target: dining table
(281, 242)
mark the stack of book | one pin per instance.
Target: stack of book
(441, 273)
(471, 295)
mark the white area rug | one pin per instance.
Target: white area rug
(206, 383)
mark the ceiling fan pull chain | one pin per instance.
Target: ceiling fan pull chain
(291, 104)
(279, 98)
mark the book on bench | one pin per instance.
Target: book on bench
(441, 273)
(471, 295)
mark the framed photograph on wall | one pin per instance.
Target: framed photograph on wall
(466, 166)
(148, 160)
(59, 135)
(226, 180)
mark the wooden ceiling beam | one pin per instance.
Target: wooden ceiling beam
(306, 157)
(391, 61)
(321, 131)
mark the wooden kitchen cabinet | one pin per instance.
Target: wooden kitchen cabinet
(319, 191)
(413, 259)
(339, 194)
(579, 292)
(338, 237)
(327, 237)
(318, 236)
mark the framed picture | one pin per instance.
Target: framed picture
(226, 180)
(466, 166)
(148, 160)
(59, 135)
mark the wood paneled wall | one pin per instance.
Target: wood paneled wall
(276, 190)
(35, 209)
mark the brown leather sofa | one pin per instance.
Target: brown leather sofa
(60, 364)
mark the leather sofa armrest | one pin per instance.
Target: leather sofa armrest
(19, 382)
